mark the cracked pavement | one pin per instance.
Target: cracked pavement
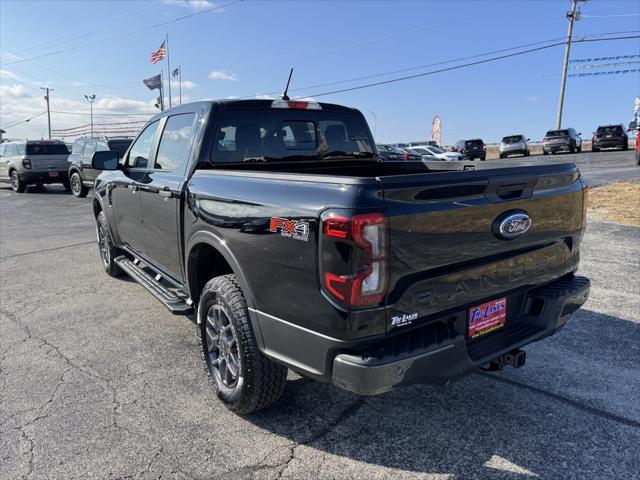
(98, 380)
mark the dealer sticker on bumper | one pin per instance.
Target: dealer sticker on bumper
(487, 317)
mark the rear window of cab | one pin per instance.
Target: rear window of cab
(287, 134)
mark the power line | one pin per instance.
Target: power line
(611, 16)
(76, 36)
(151, 27)
(456, 67)
(104, 114)
(444, 62)
(25, 120)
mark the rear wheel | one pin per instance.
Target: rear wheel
(625, 146)
(594, 149)
(108, 252)
(17, 184)
(77, 187)
(242, 377)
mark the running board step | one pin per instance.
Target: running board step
(173, 302)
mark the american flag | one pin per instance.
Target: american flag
(159, 54)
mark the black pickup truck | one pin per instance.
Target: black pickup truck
(276, 223)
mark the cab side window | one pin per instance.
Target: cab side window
(89, 149)
(141, 149)
(3, 147)
(77, 148)
(175, 143)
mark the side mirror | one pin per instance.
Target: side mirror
(105, 160)
(528, 139)
(580, 133)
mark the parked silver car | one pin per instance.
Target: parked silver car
(514, 145)
(33, 162)
(436, 153)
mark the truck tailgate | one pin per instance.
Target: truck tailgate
(446, 251)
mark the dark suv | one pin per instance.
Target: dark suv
(81, 173)
(557, 140)
(609, 136)
(472, 149)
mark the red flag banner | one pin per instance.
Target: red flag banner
(159, 54)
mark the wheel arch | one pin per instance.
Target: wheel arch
(207, 256)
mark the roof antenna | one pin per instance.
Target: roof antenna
(285, 95)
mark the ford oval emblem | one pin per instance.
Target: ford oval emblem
(512, 225)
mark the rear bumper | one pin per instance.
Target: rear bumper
(439, 355)
(42, 177)
(556, 147)
(609, 143)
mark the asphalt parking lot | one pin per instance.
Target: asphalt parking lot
(99, 380)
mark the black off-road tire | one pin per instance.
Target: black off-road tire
(108, 252)
(579, 149)
(259, 382)
(595, 149)
(77, 187)
(625, 146)
(17, 185)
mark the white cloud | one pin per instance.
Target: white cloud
(222, 75)
(17, 105)
(7, 74)
(13, 92)
(186, 84)
(533, 99)
(261, 96)
(197, 5)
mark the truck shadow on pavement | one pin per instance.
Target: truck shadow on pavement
(551, 419)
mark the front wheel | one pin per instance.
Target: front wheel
(242, 377)
(580, 149)
(77, 187)
(108, 252)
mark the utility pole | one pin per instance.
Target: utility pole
(46, 97)
(572, 15)
(91, 99)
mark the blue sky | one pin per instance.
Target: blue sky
(246, 49)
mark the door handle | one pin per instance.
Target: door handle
(166, 193)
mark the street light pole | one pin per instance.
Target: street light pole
(91, 99)
(572, 15)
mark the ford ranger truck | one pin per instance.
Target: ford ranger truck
(295, 247)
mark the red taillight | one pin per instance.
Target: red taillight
(336, 227)
(354, 259)
(26, 163)
(405, 155)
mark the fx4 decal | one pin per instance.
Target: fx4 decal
(295, 229)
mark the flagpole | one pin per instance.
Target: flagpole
(168, 67)
(161, 92)
(180, 80)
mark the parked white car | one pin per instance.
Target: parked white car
(437, 152)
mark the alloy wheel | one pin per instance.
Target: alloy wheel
(75, 184)
(222, 352)
(103, 243)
